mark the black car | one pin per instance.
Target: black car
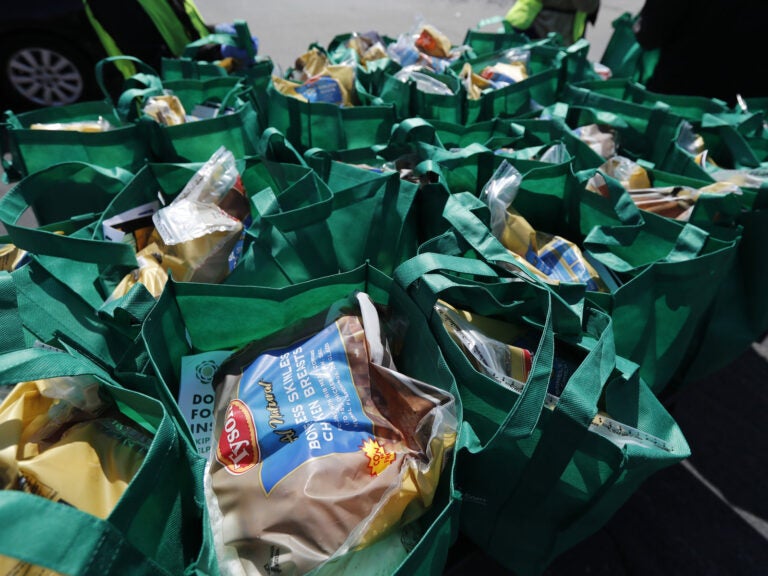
(48, 48)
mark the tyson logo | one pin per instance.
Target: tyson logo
(238, 450)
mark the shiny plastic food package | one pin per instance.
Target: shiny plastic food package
(323, 451)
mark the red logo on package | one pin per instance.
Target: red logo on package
(238, 450)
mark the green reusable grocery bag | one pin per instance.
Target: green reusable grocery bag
(62, 198)
(482, 41)
(624, 55)
(255, 74)
(328, 126)
(328, 222)
(54, 313)
(413, 95)
(62, 243)
(339, 50)
(739, 315)
(542, 465)
(540, 88)
(159, 526)
(691, 108)
(640, 129)
(659, 264)
(226, 108)
(654, 266)
(26, 150)
(720, 142)
(183, 324)
(91, 263)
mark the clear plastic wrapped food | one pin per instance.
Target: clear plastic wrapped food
(323, 450)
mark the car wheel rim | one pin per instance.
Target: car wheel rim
(45, 77)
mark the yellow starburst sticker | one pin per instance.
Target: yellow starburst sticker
(378, 458)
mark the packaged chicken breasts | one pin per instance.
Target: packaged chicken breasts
(322, 449)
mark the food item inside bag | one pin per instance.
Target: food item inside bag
(511, 68)
(368, 46)
(427, 47)
(551, 258)
(132, 227)
(11, 257)
(602, 139)
(201, 235)
(670, 201)
(205, 222)
(503, 74)
(152, 272)
(433, 42)
(314, 79)
(631, 175)
(196, 237)
(63, 441)
(99, 125)
(424, 82)
(165, 109)
(322, 448)
(504, 351)
(746, 177)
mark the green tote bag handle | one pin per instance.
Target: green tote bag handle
(43, 242)
(11, 335)
(145, 82)
(569, 423)
(413, 130)
(274, 146)
(68, 541)
(689, 244)
(521, 420)
(459, 211)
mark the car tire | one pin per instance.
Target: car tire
(38, 71)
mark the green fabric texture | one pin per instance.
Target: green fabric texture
(381, 89)
(157, 526)
(59, 314)
(659, 263)
(182, 324)
(327, 126)
(256, 73)
(482, 41)
(65, 197)
(691, 108)
(12, 336)
(196, 141)
(739, 314)
(624, 55)
(123, 146)
(537, 480)
(80, 266)
(323, 223)
(234, 123)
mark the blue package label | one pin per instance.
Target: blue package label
(321, 89)
(305, 405)
(560, 261)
